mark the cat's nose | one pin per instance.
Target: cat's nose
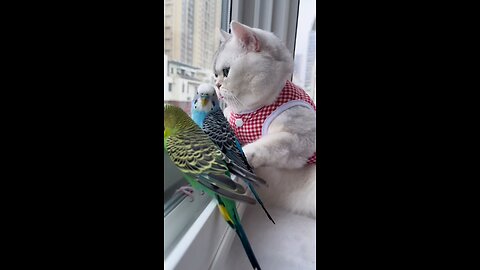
(218, 84)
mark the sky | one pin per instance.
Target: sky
(306, 17)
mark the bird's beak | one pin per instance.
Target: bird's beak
(204, 101)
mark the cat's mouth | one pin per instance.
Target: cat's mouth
(219, 94)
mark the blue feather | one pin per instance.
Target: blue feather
(216, 126)
(198, 111)
(199, 117)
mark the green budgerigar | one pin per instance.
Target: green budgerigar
(205, 168)
(206, 113)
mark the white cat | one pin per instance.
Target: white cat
(252, 69)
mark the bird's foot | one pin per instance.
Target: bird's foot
(187, 190)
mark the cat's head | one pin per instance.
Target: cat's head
(251, 67)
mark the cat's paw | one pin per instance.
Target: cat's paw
(253, 155)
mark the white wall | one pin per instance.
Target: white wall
(183, 89)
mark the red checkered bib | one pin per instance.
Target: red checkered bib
(249, 127)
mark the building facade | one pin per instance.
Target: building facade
(182, 81)
(192, 31)
(314, 81)
(311, 58)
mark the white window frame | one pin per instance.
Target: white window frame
(205, 243)
(184, 217)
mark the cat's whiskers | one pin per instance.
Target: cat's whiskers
(235, 103)
(231, 99)
(238, 101)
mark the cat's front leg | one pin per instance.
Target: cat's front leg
(289, 143)
(255, 154)
(275, 150)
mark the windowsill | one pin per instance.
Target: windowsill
(211, 244)
(288, 244)
(207, 236)
(181, 219)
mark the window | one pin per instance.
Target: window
(305, 54)
(168, 44)
(168, 10)
(187, 59)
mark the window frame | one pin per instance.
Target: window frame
(182, 218)
(205, 244)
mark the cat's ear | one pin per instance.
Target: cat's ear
(246, 36)
(223, 35)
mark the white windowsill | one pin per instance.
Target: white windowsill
(204, 243)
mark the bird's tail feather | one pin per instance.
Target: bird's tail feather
(246, 245)
(259, 201)
(242, 173)
(228, 209)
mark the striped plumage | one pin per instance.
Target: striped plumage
(205, 168)
(210, 118)
(218, 129)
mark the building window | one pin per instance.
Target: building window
(185, 25)
(305, 54)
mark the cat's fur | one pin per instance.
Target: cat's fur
(259, 65)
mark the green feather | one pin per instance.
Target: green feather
(192, 151)
(203, 164)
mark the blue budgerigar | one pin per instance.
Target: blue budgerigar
(206, 112)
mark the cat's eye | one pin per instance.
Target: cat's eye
(225, 71)
(216, 75)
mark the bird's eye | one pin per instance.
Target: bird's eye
(225, 71)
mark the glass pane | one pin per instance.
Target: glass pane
(173, 179)
(191, 36)
(305, 53)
